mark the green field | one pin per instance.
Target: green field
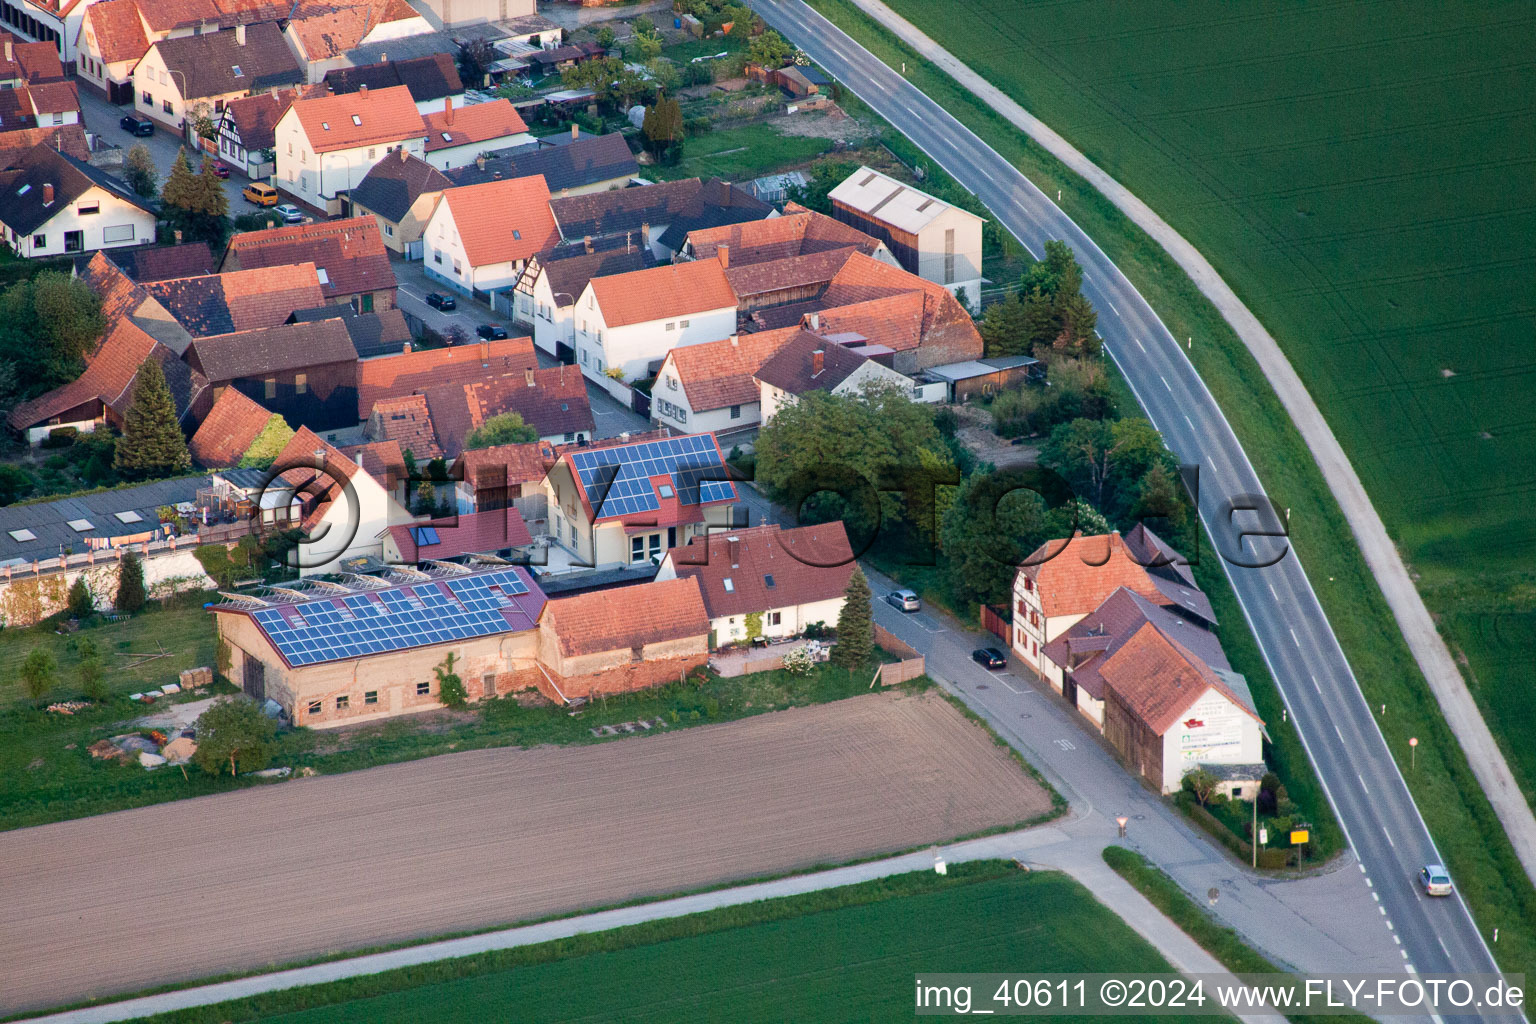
(1361, 174)
(847, 954)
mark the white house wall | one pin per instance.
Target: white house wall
(1226, 734)
(116, 217)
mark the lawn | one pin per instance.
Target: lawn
(51, 777)
(842, 954)
(743, 153)
(1464, 826)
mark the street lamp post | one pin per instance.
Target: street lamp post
(1413, 752)
(1121, 821)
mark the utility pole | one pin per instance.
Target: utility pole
(1254, 836)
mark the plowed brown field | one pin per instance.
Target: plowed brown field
(179, 891)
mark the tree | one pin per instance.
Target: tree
(855, 624)
(1075, 516)
(1057, 272)
(644, 26)
(825, 176)
(152, 444)
(1159, 497)
(130, 584)
(1203, 783)
(643, 48)
(92, 675)
(269, 444)
(663, 129)
(38, 673)
(605, 37)
(665, 74)
(425, 502)
(1078, 320)
(475, 60)
(994, 522)
(47, 327)
(81, 603)
(178, 191)
(234, 732)
(450, 688)
(505, 428)
(139, 171)
(195, 204)
(770, 50)
(1103, 460)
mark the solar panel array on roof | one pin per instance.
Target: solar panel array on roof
(618, 480)
(331, 629)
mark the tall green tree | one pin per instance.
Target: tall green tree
(92, 674)
(196, 204)
(994, 522)
(770, 50)
(80, 601)
(48, 326)
(504, 428)
(1160, 498)
(139, 171)
(130, 584)
(855, 624)
(39, 673)
(663, 129)
(152, 443)
(1078, 319)
(1104, 461)
(234, 733)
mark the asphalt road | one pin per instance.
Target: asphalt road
(1384, 827)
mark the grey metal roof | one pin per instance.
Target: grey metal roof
(49, 521)
(969, 368)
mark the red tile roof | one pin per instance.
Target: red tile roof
(670, 290)
(118, 29)
(478, 122)
(227, 432)
(108, 375)
(382, 460)
(720, 374)
(405, 420)
(120, 295)
(895, 321)
(317, 471)
(502, 221)
(1158, 679)
(552, 400)
(792, 272)
(68, 139)
(502, 465)
(412, 371)
(327, 30)
(241, 300)
(359, 119)
(798, 232)
(255, 117)
(807, 564)
(473, 534)
(53, 97)
(1074, 577)
(864, 279)
(350, 252)
(625, 618)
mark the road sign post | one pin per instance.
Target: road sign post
(1298, 837)
(1413, 752)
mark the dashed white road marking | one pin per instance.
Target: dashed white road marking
(1368, 883)
(1189, 421)
(1442, 945)
(1316, 687)
(1295, 639)
(1368, 793)
(1066, 744)
(1140, 345)
(1165, 383)
(1273, 593)
(1339, 734)
(1112, 307)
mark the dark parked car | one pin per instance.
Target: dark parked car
(491, 332)
(989, 657)
(133, 124)
(437, 300)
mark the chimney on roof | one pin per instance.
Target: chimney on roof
(405, 349)
(177, 235)
(575, 130)
(10, 50)
(448, 110)
(724, 253)
(383, 57)
(319, 458)
(815, 319)
(358, 455)
(48, 194)
(362, 86)
(403, 154)
(528, 376)
(818, 362)
(485, 352)
(480, 162)
(240, 34)
(645, 234)
(586, 240)
(733, 545)
(735, 340)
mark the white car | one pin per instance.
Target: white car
(291, 214)
(1435, 880)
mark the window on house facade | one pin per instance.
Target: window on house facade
(315, 707)
(949, 255)
(637, 548)
(365, 303)
(371, 697)
(117, 233)
(165, 105)
(88, 209)
(774, 618)
(671, 325)
(735, 412)
(74, 241)
(146, 98)
(458, 269)
(270, 389)
(437, 257)
(423, 689)
(301, 383)
(341, 702)
(683, 324)
(389, 231)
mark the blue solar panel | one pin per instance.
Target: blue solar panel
(330, 629)
(424, 535)
(617, 480)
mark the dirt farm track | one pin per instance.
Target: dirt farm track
(179, 891)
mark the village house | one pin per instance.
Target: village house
(102, 393)
(430, 79)
(239, 300)
(457, 136)
(627, 322)
(232, 425)
(306, 372)
(400, 194)
(182, 78)
(619, 502)
(112, 39)
(808, 362)
(502, 476)
(338, 653)
(621, 640)
(147, 263)
(33, 105)
(766, 581)
(553, 401)
(382, 332)
(323, 32)
(795, 232)
(647, 214)
(929, 237)
(123, 298)
(479, 237)
(52, 204)
(405, 420)
(248, 130)
(453, 13)
(327, 144)
(544, 298)
(494, 533)
(405, 372)
(713, 386)
(349, 257)
(572, 166)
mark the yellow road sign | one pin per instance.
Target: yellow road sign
(1299, 837)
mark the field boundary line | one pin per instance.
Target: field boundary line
(1381, 556)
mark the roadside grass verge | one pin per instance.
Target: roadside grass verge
(870, 939)
(1466, 830)
(1215, 938)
